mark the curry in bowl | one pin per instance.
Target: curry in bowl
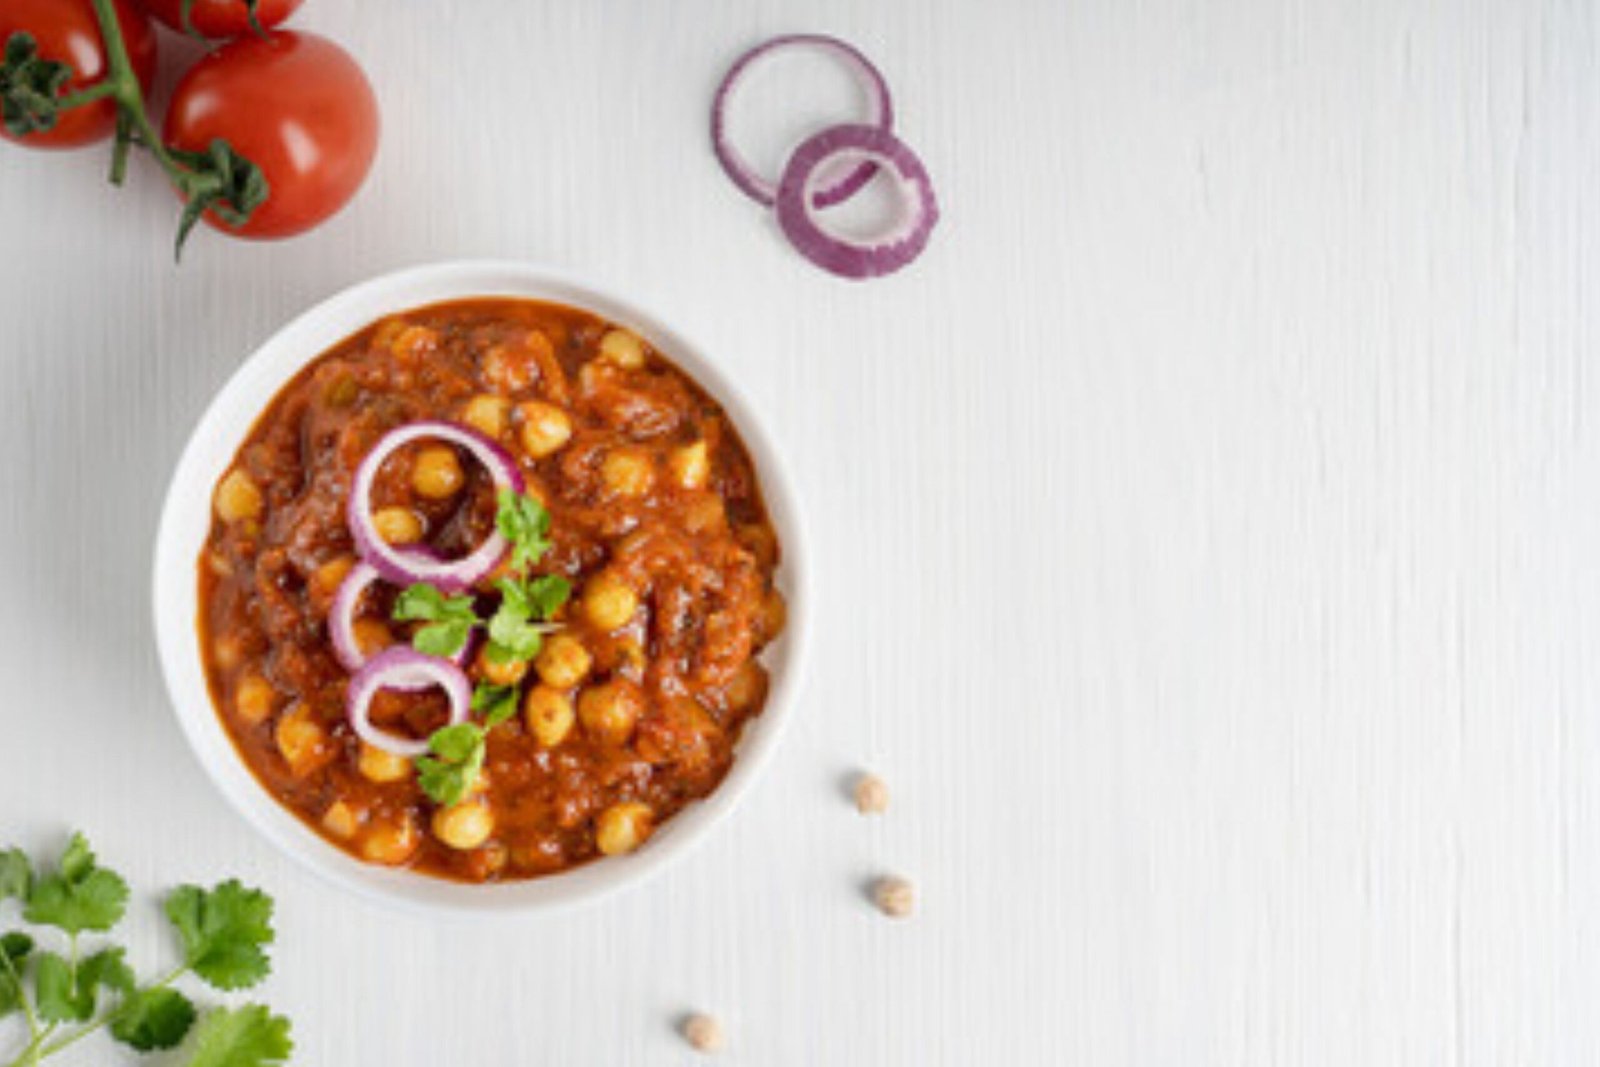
(486, 589)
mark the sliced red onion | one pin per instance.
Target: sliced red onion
(797, 213)
(880, 113)
(407, 670)
(403, 566)
(342, 615)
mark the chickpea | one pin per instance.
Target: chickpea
(508, 673)
(609, 712)
(563, 661)
(871, 795)
(413, 342)
(391, 843)
(549, 715)
(628, 471)
(301, 741)
(705, 514)
(761, 541)
(895, 897)
(545, 428)
(387, 331)
(372, 635)
(382, 766)
(437, 473)
(254, 699)
(487, 414)
(341, 820)
(631, 660)
(704, 1033)
(329, 576)
(621, 828)
(509, 370)
(228, 652)
(748, 686)
(622, 348)
(609, 602)
(690, 465)
(774, 614)
(464, 826)
(238, 497)
(398, 526)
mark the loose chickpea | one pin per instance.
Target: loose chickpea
(487, 414)
(329, 576)
(398, 526)
(372, 635)
(895, 897)
(622, 348)
(871, 795)
(464, 826)
(563, 661)
(609, 712)
(621, 828)
(545, 428)
(508, 673)
(703, 1033)
(341, 820)
(690, 465)
(391, 843)
(774, 614)
(254, 699)
(608, 601)
(379, 765)
(238, 497)
(628, 471)
(437, 473)
(549, 715)
(301, 741)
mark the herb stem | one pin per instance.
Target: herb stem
(27, 1008)
(104, 1021)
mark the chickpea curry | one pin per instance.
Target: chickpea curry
(485, 591)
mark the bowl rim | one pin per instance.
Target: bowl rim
(180, 535)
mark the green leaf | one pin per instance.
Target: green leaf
(442, 639)
(460, 753)
(513, 635)
(223, 932)
(497, 703)
(16, 874)
(30, 86)
(451, 619)
(14, 949)
(153, 1019)
(250, 1036)
(68, 994)
(524, 522)
(547, 593)
(80, 895)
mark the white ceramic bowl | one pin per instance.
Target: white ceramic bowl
(186, 519)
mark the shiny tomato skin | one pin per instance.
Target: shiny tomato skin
(297, 106)
(219, 19)
(66, 30)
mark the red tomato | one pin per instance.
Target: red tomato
(66, 30)
(221, 18)
(297, 106)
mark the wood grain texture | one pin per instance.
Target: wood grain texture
(1205, 527)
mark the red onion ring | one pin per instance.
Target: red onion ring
(342, 618)
(402, 566)
(407, 670)
(743, 173)
(844, 256)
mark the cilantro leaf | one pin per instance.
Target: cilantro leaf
(460, 751)
(497, 702)
(68, 994)
(16, 874)
(450, 619)
(547, 593)
(223, 931)
(524, 522)
(513, 635)
(80, 895)
(14, 949)
(153, 1018)
(250, 1036)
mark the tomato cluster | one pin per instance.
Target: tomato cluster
(293, 105)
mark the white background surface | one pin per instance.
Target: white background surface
(1205, 529)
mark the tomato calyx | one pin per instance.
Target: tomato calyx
(30, 86)
(219, 180)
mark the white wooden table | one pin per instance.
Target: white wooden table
(1206, 532)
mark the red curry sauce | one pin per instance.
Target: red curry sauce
(633, 709)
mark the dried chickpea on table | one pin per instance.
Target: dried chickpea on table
(631, 706)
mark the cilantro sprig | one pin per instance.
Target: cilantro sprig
(450, 619)
(66, 997)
